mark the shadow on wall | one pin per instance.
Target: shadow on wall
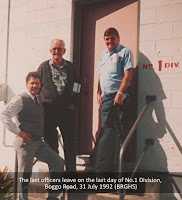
(154, 124)
(10, 94)
(8, 136)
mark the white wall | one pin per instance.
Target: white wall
(161, 40)
(160, 74)
(32, 25)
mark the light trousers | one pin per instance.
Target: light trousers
(25, 155)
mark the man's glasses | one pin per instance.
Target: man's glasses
(58, 49)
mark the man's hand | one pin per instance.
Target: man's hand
(99, 99)
(25, 136)
(118, 99)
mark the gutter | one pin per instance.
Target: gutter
(6, 70)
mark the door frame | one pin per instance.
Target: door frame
(76, 42)
(77, 25)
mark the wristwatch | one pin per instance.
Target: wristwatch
(121, 93)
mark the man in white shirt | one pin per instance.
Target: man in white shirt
(29, 130)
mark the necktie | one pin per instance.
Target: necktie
(36, 100)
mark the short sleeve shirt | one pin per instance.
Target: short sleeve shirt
(112, 67)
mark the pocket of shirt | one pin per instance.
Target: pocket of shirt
(115, 68)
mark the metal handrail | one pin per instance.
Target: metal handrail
(148, 143)
(16, 177)
(149, 99)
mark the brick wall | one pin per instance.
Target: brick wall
(32, 25)
(160, 74)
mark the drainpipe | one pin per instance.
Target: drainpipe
(6, 70)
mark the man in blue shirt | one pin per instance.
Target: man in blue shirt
(115, 73)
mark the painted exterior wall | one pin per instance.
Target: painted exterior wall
(160, 74)
(34, 23)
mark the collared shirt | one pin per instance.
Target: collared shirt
(11, 110)
(59, 76)
(112, 67)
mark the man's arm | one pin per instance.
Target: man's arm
(99, 93)
(124, 85)
(10, 111)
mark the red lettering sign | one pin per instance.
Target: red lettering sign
(165, 65)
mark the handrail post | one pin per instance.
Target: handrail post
(149, 99)
(148, 143)
(16, 177)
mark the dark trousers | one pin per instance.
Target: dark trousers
(64, 119)
(105, 156)
(107, 104)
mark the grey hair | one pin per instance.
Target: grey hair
(57, 40)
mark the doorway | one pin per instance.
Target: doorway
(91, 19)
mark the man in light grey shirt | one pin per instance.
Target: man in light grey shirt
(29, 129)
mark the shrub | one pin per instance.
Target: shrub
(6, 184)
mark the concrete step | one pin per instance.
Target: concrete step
(110, 196)
(38, 192)
(82, 164)
(35, 196)
(82, 159)
(98, 196)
